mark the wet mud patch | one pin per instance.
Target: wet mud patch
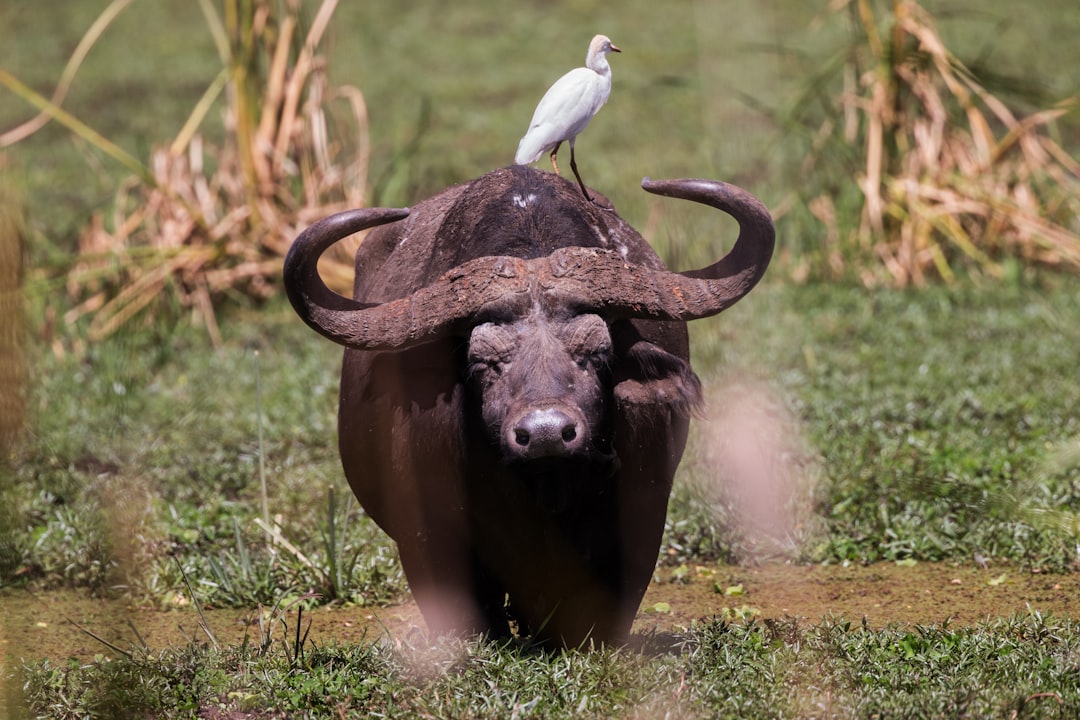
(42, 625)
(58, 625)
(882, 594)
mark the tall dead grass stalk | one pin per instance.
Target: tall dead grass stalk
(950, 175)
(13, 364)
(199, 221)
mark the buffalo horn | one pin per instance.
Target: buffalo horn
(700, 293)
(591, 279)
(429, 313)
(324, 310)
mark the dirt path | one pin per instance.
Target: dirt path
(38, 626)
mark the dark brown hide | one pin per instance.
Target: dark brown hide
(520, 453)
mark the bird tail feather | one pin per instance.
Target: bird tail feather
(527, 152)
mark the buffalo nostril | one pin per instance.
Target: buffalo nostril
(544, 433)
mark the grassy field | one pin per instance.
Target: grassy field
(930, 425)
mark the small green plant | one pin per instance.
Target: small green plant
(242, 578)
(341, 559)
(342, 567)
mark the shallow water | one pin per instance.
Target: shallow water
(58, 625)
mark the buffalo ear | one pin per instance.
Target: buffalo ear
(646, 373)
(661, 378)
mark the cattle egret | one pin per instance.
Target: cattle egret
(567, 107)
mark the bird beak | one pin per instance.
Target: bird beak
(615, 49)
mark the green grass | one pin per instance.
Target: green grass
(935, 414)
(1023, 666)
(159, 436)
(929, 419)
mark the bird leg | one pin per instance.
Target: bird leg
(573, 166)
(555, 152)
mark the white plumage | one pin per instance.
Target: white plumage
(567, 107)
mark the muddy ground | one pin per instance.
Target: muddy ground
(39, 626)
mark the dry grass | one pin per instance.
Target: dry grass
(13, 365)
(200, 222)
(949, 173)
(948, 176)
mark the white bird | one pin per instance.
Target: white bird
(567, 107)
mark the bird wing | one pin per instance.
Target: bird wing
(563, 112)
(572, 100)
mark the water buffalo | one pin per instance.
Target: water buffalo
(516, 392)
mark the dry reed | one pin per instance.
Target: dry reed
(13, 364)
(202, 222)
(950, 175)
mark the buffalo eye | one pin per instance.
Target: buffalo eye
(595, 361)
(490, 348)
(589, 341)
